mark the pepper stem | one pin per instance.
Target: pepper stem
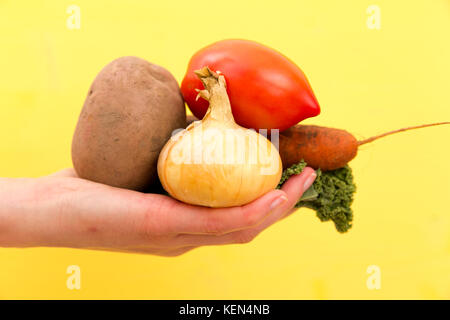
(216, 93)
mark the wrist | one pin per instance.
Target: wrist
(20, 212)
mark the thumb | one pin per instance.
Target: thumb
(64, 173)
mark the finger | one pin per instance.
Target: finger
(188, 219)
(297, 185)
(173, 252)
(68, 172)
(165, 252)
(178, 251)
(293, 188)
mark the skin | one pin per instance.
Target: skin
(62, 210)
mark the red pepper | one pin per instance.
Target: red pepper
(266, 89)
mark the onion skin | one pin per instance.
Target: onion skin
(215, 162)
(214, 185)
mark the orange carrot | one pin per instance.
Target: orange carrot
(323, 147)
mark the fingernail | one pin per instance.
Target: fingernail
(309, 181)
(278, 201)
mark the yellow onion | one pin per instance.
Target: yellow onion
(215, 162)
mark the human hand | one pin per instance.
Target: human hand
(62, 210)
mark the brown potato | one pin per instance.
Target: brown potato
(130, 112)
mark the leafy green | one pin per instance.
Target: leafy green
(331, 194)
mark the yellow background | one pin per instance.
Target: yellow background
(367, 81)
